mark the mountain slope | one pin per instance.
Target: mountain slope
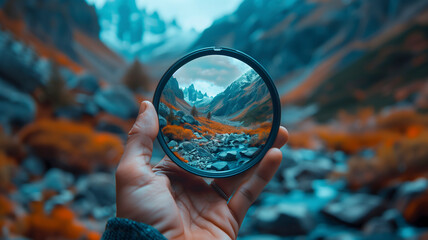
(240, 96)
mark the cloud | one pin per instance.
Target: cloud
(216, 71)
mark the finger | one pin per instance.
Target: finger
(281, 138)
(248, 192)
(139, 147)
(229, 185)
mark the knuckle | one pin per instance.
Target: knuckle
(248, 194)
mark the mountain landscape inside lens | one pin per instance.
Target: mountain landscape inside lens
(215, 113)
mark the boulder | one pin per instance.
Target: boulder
(188, 146)
(204, 154)
(219, 166)
(250, 152)
(85, 82)
(118, 101)
(162, 122)
(355, 209)
(33, 165)
(228, 155)
(172, 144)
(101, 185)
(163, 110)
(16, 107)
(58, 180)
(284, 219)
(190, 120)
(87, 104)
(179, 113)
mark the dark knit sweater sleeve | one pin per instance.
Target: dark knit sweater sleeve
(122, 228)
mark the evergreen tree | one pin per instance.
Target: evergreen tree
(194, 112)
(136, 78)
(209, 115)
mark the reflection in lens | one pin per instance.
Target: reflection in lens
(215, 113)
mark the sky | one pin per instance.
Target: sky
(197, 14)
(210, 74)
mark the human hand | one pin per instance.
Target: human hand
(178, 204)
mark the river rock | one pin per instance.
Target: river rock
(16, 107)
(228, 155)
(162, 122)
(187, 146)
(163, 110)
(58, 180)
(172, 144)
(219, 166)
(355, 209)
(250, 152)
(284, 219)
(180, 113)
(190, 120)
(118, 101)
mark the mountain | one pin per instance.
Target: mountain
(319, 51)
(248, 93)
(137, 33)
(172, 91)
(64, 31)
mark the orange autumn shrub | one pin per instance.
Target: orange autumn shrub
(72, 145)
(405, 158)
(8, 167)
(11, 146)
(178, 133)
(212, 127)
(59, 224)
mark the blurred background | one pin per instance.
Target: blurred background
(352, 76)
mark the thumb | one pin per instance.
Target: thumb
(139, 147)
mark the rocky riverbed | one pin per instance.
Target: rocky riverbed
(216, 153)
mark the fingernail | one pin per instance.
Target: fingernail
(143, 106)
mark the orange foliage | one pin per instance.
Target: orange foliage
(417, 209)
(169, 105)
(11, 146)
(7, 169)
(406, 157)
(72, 145)
(59, 224)
(302, 139)
(6, 207)
(19, 30)
(178, 133)
(212, 127)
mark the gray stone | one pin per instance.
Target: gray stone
(163, 110)
(162, 122)
(228, 155)
(101, 185)
(209, 137)
(58, 180)
(33, 166)
(180, 113)
(220, 166)
(118, 101)
(172, 144)
(16, 107)
(85, 82)
(355, 209)
(250, 152)
(188, 146)
(204, 153)
(284, 219)
(190, 120)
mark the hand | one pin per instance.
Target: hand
(179, 204)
